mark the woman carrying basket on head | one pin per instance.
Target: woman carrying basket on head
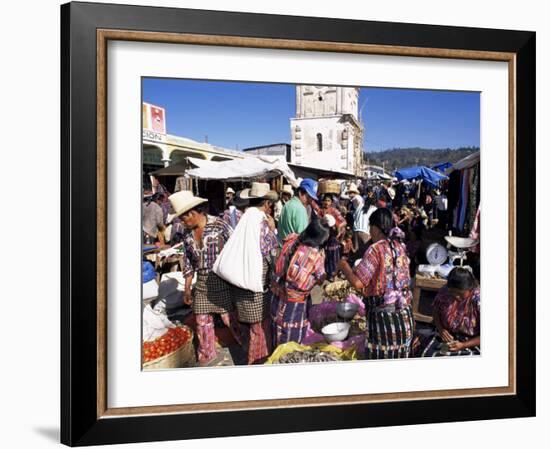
(383, 277)
(333, 246)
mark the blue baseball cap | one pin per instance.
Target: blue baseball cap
(310, 186)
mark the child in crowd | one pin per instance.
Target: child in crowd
(348, 247)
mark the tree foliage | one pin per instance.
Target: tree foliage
(396, 158)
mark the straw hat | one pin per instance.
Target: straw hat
(230, 190)
(183, 201)
(391, 192)
(258, 190)
(287, 188)
(352, 189)
(239, 201)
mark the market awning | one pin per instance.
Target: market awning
(442, 167)
(303, 171)
(467, 162)
(380, 177)
(171, 170)
(426, 174)
(241, 169)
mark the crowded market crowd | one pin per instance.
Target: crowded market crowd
(254, 266)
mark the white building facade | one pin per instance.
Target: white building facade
(326, 132)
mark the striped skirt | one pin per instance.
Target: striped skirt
(211, 294)
(252, 307)
(436, 347)
(389, 330)
(289, 320)
(333, 255)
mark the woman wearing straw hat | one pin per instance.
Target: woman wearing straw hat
(253, 306)
(203, 239)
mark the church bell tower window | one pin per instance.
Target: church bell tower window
(319, 142)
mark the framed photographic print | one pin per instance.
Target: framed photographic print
(273, 224)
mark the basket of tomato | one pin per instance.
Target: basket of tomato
(174, 349)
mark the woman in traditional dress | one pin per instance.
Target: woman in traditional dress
(333, 246)
(383, 277)
(299, 267)
(203, 238)
(456, 318)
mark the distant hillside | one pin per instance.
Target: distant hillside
(406, 157)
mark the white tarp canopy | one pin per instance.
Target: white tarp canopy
(239, 169)
(380, 176)
(467, 162)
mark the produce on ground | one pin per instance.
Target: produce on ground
(312, 355)
(338, 290)
(170, 342)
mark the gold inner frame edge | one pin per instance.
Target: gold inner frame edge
(103, 36)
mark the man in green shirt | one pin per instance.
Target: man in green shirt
(294, 218)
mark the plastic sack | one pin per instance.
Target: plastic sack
(287, 348)
(319, 312)
(148, 272)
(154, 324)
(240, 262)
(357, 343)
(150, 290)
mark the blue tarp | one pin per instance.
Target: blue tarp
(442, 167)
(427, 175)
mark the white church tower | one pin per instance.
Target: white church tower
(326, 132)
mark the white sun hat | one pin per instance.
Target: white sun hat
(353, 189)
(183, 201)
(258, 190)
(287, 188)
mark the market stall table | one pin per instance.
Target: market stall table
(420, 302)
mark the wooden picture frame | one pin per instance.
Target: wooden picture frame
(86, 29)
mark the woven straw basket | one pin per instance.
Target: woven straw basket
(328, 187)
(182, 357)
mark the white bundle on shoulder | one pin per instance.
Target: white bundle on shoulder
(240, 262)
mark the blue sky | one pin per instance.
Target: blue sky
(240, 115)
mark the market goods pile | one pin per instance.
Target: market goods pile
(312, 355)
(171, 341)
(338, 290)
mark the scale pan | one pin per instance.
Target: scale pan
(461, 242)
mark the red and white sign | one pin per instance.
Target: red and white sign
(154, 118)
